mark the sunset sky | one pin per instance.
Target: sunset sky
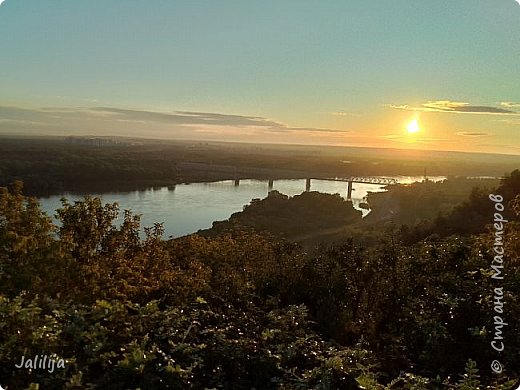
(335, 72)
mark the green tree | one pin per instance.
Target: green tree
(30, 255)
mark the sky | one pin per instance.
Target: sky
(335, 72)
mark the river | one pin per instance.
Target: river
(186, 208)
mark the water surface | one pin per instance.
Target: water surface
(186, 208)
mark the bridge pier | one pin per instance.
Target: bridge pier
(237, 182)
(349, 191)
(308, 185)
(270, 184)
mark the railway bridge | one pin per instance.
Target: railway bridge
(354, 179)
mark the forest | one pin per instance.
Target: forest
(290, 217)
(246, 309)
(55, 165)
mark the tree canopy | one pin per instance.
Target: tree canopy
(245, 310)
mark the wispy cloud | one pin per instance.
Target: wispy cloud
(403, 138)
(193, 118)
(510, 121)
(473, 134)
(19, 122)
(510, 104)
(456, 107)
(343, 113)
(175, 123)
(186, 117)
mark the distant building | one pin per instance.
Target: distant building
(93, 141)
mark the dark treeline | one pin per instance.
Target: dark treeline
(53, 166)
(243, 310)
(469, 217)
(412, 212)
(56, 165)
(290, 217)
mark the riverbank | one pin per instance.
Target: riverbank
(55, 165)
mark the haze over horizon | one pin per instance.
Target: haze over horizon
(413, 75)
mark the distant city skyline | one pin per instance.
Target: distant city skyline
(403, 74)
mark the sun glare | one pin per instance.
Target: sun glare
(413, 127)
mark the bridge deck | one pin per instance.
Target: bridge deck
(366, 180)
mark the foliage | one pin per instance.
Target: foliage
(244, 310)
(201, 345)
(290, 217)
(470, 380)
(469, 217)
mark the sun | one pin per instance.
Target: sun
(413, 127)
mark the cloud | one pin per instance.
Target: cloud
(473, 134)
(343, 113)
(22, 114)
(510, 104)
(19, 122)
(194, 118)
(186, 117)
(145, 123)
(404, 138)
(510, 121)
(310, 129)
(454, 107)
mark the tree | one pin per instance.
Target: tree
(30, 256)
